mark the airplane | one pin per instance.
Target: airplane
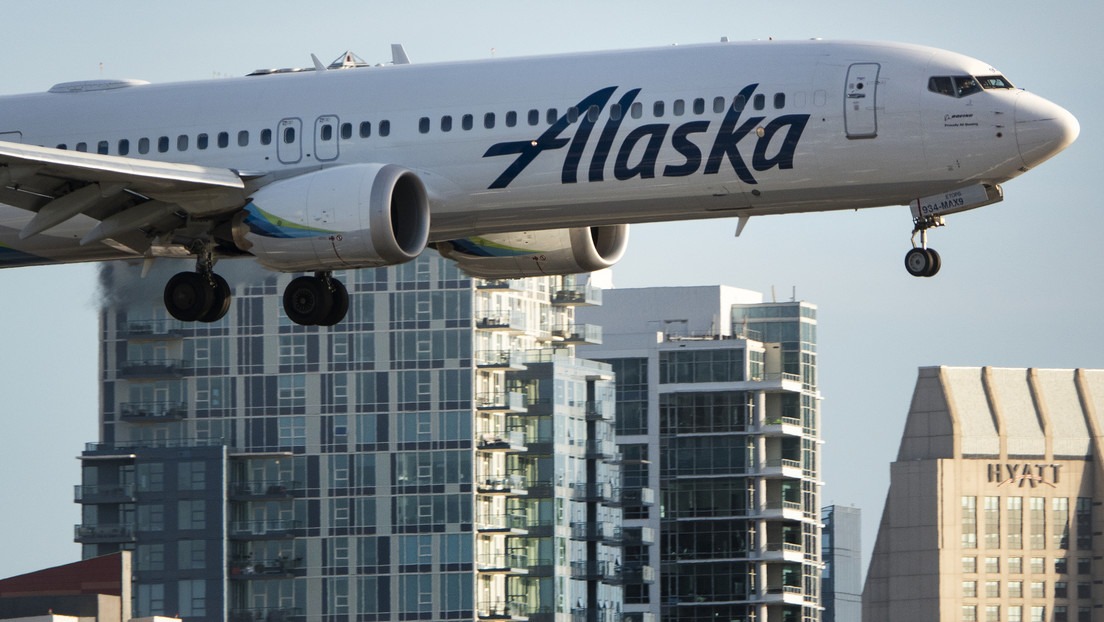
(512, 167)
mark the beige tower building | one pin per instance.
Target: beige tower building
(994, 507)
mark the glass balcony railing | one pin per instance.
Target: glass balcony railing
(152, 411)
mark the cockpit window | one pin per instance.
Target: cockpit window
(964, 86)
(994, 82)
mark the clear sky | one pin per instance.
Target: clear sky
(1021, 284)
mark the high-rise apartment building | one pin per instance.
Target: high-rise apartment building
(841, 551)
(439, 455)
(718, 411)
(993, 512)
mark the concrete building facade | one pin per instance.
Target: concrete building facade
(993, 511)
(718, 422)
(841, 551)
(439, 455)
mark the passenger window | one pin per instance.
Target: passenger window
(679, 108)
(615, 112)
(467, 122)
(699, 106)
(182, 142)
(657, 109)
(201, 140)
(82, 147)
(223, 140)
(346, 131)
(552, 116)
(739, 102)
(511, 119)
(385, 128)
(592, 114)
(534, 117)
(62, 146)
(163, 144)
(366, 128)
(446, 123)
(779, 101)
(289, 135)
(572, 114)
(718, 104)
(143, 145)
(243, 138)
(101, 147)
(759, 101)
(637, 110)
(124, 147)
(327, 133)
(489, 120)
(423, 125)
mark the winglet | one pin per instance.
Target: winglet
(318, 66)
(398, 55)
(743, 223)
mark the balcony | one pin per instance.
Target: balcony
(279, 568)
(152, 329)
(508, 360)
(510, 442)
(514, 524)
(781, 467)
(577, 296)
(513, 485)
(501, 320)
(90, 534)
(577, 335)
(500, 285)
(502, 610)
(782, 551)
(263, 490)
(597, 449)
(501, 402)
(104, 493)
(781, 426)
(599, 493)
(154, 368)
(263, 529)
(513, 563)
(637, 497)
(637, 573)
(152, 412)
(784, 594)
(784, 509)
(599, 411)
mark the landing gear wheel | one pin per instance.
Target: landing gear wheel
(922, 262)
(189, 296)
(307, 301)
(340, 303)
(220, 302)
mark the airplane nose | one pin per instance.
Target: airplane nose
(1043, 129)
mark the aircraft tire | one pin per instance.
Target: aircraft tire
(220, 302)
(918, 262)
(936, 262)
(307, 301)
(340, 303)
(188, 296)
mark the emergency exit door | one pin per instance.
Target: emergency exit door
(860, 109)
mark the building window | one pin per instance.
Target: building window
(1037, 515)
(992, 613)
(992, 565)
(1038, 589)
(992, 589)
(706, 365)
(969, 613)
(1038, 565)
(969, 522)
(1015, 589)
(969, 589)
(1015, 522)
(1059, 520)
(1084, 524)
(969, 565)
(1015, 613)
(992, 522)
(1015, 565)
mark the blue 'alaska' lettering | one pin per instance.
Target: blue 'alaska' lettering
(639, 151)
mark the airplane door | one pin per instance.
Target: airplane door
(289, 142)
(325, 138)
(860, 110)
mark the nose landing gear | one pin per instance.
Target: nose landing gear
(921, 260)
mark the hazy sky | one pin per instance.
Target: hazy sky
(1021, 283)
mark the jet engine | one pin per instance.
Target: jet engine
(355, 216)
(538, 253)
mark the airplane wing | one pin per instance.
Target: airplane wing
(124, 194)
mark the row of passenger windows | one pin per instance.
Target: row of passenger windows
(326, 131)
(222, 140)
(678, 108)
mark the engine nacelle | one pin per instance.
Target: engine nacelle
(538, 253)
(355, 216)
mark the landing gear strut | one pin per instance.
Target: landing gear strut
(921, 260)
(316, 300)
(200, 296)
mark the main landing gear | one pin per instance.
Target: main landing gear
(203, 296)
(921, 260)
(200, 296)
(316, 300)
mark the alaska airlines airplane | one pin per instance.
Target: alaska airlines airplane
(510, 167)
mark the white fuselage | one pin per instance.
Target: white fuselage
(588, 139)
